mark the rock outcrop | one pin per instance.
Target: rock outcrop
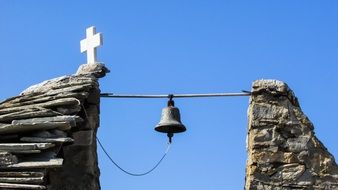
(283, 151)
(48, 134)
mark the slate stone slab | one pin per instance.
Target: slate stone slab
(71, 119)
(21, 186)
(52, 163)
(29, 180)
(35, 99)
(51, 140)
(25, 146)
(19, 128)
(22, 174)
(65, 83)
(28, 113)
(52, 103)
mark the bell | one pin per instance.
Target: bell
(170, 122)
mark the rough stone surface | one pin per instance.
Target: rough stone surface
(59, 120)
(97, 69)
(6, 186)
(38, 139)
(7, 159)
(283, 151)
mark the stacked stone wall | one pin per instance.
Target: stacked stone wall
(283, 151)
(48, 134)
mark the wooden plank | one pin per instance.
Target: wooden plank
(52, 163)
(50, 140)
(30, 180)
(21, 186)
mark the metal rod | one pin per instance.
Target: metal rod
(112, 95)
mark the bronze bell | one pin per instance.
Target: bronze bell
(170, 122)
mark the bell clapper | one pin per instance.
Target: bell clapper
(170, 135)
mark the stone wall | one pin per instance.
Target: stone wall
(48, 138)
(283, 151)
(48, 134)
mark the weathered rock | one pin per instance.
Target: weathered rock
(98, 70)
(54, 133)
(61, 85)
(69, 110)
(22, 174)
(21, 186)
(38, 139)
(29, 180)
(71, 119)
(35, 99)
(19, 128)
(91, 114)
(24, 146)
(7, 159)
(45, 115)
(52, 163)
(25, 151)
(288, 172)
(49, 104)
(83, 137)
(76, 88)
(283, 150)
(28, 113)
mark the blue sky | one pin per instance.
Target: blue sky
(176, 46)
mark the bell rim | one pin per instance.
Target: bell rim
(181, 128)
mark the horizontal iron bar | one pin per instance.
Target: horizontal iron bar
(112, 95)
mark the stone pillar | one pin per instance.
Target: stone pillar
(283, 151)
(80, 168)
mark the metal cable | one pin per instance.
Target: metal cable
(112, 95)
(129, 173)
(125, 171)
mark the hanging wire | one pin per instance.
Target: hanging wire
(130, 173)
(118, 166)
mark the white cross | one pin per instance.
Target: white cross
(89, 44)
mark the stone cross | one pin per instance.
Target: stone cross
(92, 41)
